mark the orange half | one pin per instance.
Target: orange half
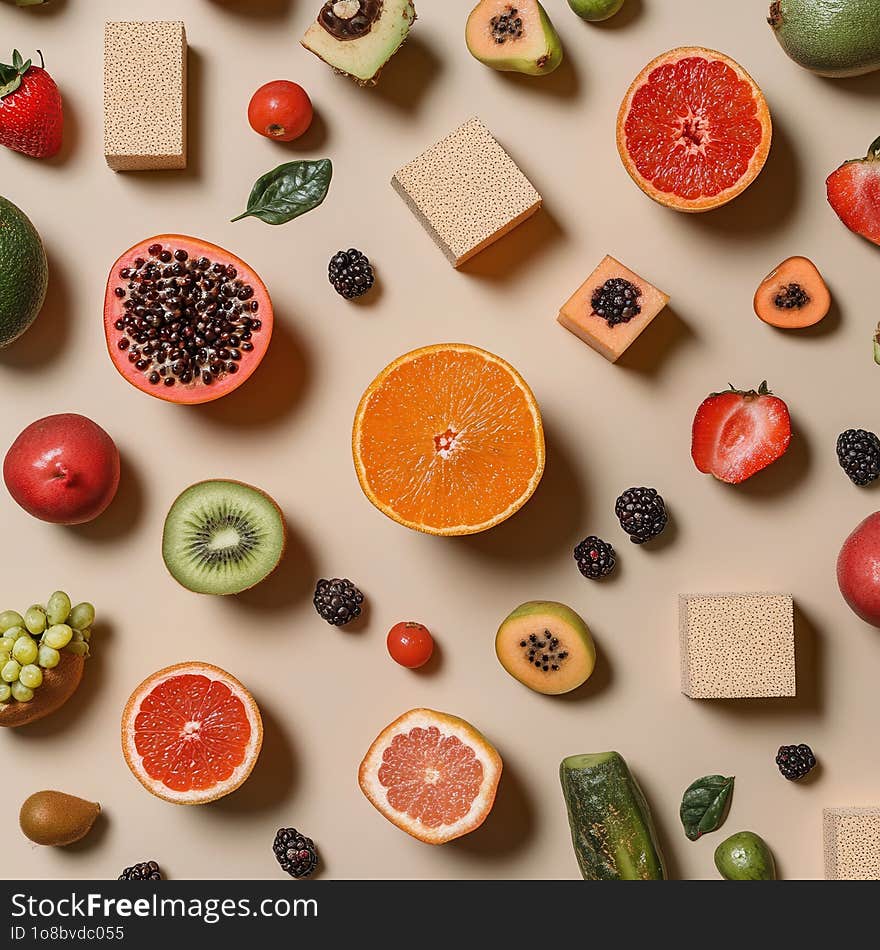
(694, 129)
(448, 440)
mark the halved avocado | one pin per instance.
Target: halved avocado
(358, 37)
(513, 36)
(546, 646)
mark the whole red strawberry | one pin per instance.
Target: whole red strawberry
(31, 116)
(736, 433)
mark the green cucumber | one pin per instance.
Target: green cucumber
(611, 827)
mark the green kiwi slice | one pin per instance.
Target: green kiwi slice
(222, 537)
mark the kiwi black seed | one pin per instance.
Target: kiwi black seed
(222, 537)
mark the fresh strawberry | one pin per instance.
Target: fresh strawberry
(31, 116)
(736, 434)
(854, 193)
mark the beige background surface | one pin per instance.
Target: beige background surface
(325, 693)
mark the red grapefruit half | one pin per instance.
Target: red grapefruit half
(191, 733)
(693, 130)
(190, 328)
(431, 774)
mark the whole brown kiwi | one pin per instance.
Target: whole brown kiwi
(56, 818)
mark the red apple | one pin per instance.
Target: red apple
(63, 469)
(858, 570)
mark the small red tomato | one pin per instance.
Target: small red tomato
(280, 110)
(410, 644)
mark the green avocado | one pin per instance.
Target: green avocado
(833, 38)
(745, 857)
(24, 272)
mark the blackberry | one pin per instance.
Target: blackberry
(858, 452)
(595, 557)
(350, 273)
(616, 301)
(146, 871)
(338, 601)
(795, 761)
(295, 852)
(642, 514)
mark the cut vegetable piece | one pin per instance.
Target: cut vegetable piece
(793, 295)
(431, 774)
(611, 826)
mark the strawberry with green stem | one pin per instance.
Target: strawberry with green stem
(854, 193)
(31, 115)
(737, 433)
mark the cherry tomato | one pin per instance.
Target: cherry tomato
(410, 644)
(280, 110)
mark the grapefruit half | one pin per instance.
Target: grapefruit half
(191, 733)
(448, 440)
(431, 774)
(693, 130)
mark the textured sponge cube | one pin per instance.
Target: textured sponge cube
(736, 646)
(852, 844)
(466, 191)
(145, 95)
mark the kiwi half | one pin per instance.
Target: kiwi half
(222, 537)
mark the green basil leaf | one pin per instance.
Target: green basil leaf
(288, 191)
(704, 805)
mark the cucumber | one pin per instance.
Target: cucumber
(611, 827)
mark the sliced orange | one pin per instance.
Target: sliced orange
(431, 774)
(693, 130)
(191, 733)
(448, 440)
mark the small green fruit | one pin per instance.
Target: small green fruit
(595, 10)
(745, 857)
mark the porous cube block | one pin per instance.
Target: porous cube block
(466, 191)
(852, 844)
(737, 646)
(145, 95)
(605, 332)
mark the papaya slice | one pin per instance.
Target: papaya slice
(793, 295)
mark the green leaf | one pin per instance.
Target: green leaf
(704, 805)
(10, 76)
(288, 191)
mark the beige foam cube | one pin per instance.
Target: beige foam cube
(466, 191)
(145, 95)
(737, 646)
(852, 844)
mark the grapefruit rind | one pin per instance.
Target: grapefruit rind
(459, 529)
(195, 796)
(192, 394)
(709, 202)
(377, 794)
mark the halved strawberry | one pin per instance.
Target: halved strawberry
(854, 193)
(737, 433)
